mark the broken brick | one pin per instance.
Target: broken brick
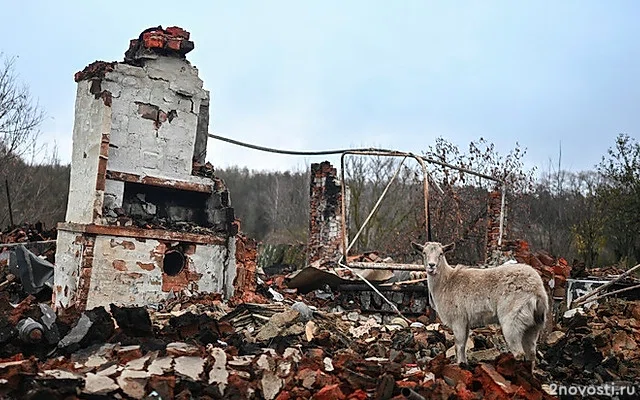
(177, 32)
(331, 392)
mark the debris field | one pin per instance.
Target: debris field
(286, 345)
(148, 290)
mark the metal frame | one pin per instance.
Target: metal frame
(346, 246)
(386, 153)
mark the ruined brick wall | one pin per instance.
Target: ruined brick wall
(325, 213)
(139, 178)
(493, 226)
(245, 282)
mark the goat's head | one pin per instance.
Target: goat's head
(432, 254)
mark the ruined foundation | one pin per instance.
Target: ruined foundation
(146, 217)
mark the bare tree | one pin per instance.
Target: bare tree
(29, 184)
(20, 115)
(620, 197)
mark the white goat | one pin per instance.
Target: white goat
(512, 295)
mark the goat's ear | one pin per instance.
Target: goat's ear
(417, 247)
(448, 247)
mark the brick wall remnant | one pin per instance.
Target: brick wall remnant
(493, 226)
(325, 214)
(245, 282)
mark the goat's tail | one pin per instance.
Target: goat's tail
(540, 310)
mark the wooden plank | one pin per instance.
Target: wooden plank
(140, 233)
(161, 182)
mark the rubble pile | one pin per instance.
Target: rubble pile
(554, 271)
(27, 233)
(272, 341)
(27, 254)
(195, 347)
(599, 345)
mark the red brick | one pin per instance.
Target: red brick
(536, 263)
(358, 395)
(406, 384)
(457, 374)
(176, 31)
(174, 44)
(545, 258)
(331, 392)
(561, 269)
(283, 396)
(494, 383)
(462, 393)
(153, 41)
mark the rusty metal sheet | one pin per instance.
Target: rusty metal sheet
(128, 231)
(161, 182)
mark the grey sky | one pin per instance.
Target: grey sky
(317, 75)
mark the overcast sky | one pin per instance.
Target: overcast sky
(332, 74)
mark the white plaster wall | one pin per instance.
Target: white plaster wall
(92, 119)
(67, 269)
(138, 286)
(231, 269)
(138, 147)
(113, 194)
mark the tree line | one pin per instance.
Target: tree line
(591, 216)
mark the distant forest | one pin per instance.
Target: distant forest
(591, 216)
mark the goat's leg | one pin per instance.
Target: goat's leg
(461, 333)
(529, 343)
(513, 335)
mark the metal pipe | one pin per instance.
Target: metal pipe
(387, 266)
(359, 287)
(393, 306)
(408, 393)
(421, 160)
(343, 193)
(375, 206)
(27, 243)
(425, 180)
(393, 153)
(504, 191)
(6, 185)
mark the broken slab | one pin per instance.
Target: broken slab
(99, 384)
(219, 375)
(189, 367)
(133, 383)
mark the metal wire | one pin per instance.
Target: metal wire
(290, 152)
(375, 207)
(370, 150)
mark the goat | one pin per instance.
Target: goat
(512, 295)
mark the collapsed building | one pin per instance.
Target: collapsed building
(164, 296)
(145, 216)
